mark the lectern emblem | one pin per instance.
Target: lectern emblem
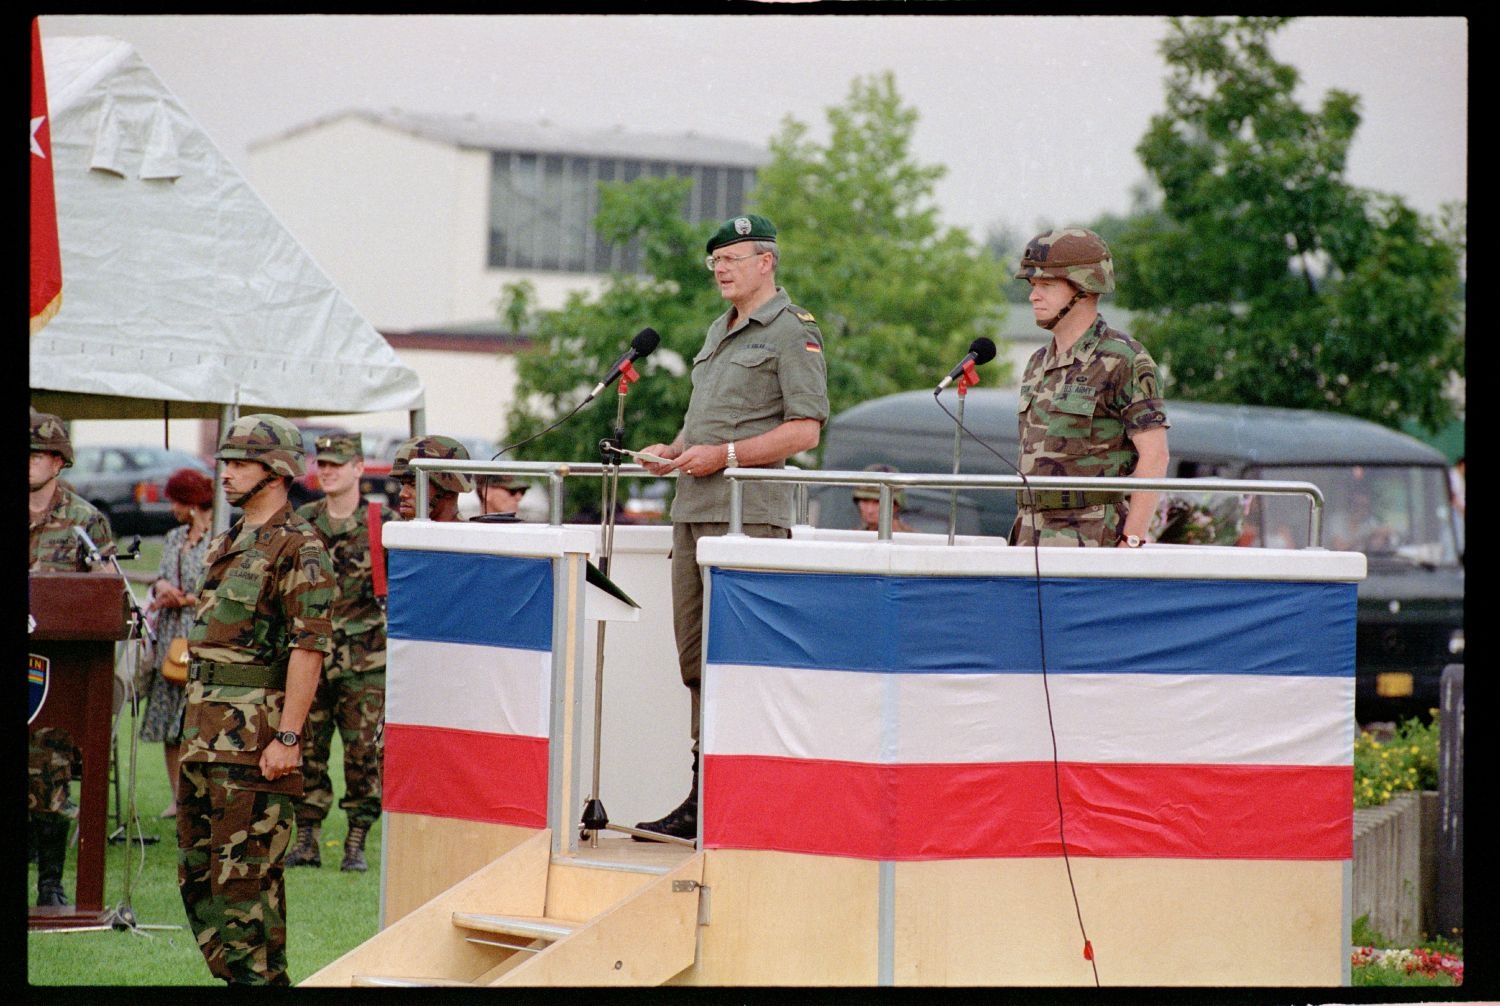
(37, 677)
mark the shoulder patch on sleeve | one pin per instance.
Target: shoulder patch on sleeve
(803, 315)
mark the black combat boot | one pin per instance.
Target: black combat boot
(305, 852)
(51, 854)
(354, 849)
(680, 823)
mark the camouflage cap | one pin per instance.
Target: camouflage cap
(750, 227)
(49, 434)
(433, 447)
(872, 492)
(503, 480)
(1075, 254)
(273, 441)
(340, 448)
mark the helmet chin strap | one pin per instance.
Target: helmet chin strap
(1051, 323)
(249, 494)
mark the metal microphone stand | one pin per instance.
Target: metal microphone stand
(966, 380)
(595, 817)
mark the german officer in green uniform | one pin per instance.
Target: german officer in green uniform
(351, 693)
(259, 636)
(56, 511)
(1089, 402)
(760, 395)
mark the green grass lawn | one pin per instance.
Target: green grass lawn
(329, 912)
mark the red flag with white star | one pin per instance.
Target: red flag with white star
(46, 259)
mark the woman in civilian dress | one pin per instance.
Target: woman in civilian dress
(173, 597)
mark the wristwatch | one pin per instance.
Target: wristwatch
(1134, 541)
(289, 737)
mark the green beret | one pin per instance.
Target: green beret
(340, 448)
(746, 228)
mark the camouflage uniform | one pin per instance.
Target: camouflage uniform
(872, 492)
(351, 694)
(1079, 409)
(268, 590)
(1077, 413)
(54, 546)
(52, 759)
(437, 448)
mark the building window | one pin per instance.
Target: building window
(542, 207)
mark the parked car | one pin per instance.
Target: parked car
(128, 484)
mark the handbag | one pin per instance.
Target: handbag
(175, 666)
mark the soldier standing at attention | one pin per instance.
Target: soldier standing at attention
(760, 395)
(443, 488)
(256, 646)
(51, 755)
(351, 693)
(1089, 402)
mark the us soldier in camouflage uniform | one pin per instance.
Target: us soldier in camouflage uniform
(867, 502)
(1089, 402)
(443, 488)
(351, 693)
(52, 757)
(760, 395)
(257, 644)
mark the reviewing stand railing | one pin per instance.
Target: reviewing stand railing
(557, 473)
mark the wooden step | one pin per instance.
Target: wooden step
(532, 927)
(392, 982)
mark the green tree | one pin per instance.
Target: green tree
(1264, 277)
(895, 294)
(573, 347)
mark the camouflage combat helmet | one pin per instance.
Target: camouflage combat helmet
(1075, 254)
(49, 434)
(872, 492)
(273, 441)
(433, 447)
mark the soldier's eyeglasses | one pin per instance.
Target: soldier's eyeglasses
(714, 261)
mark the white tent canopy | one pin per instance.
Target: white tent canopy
(182, 292)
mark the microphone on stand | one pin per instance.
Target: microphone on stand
(981, 351)
(642, 345)
(90, 549)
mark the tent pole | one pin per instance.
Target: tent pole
(227, 415)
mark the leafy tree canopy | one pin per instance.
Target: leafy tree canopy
(1264, 277)
(897, 296)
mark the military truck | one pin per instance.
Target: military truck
(1386, 494)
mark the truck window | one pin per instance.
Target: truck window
(1399, 513)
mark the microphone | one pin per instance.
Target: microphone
(642, 345)
(90, 548)
(981, 350)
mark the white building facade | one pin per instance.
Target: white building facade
(422, 220)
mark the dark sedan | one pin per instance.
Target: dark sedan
(128, 484)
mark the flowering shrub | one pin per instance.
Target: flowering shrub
(1408, 760)
(1420, 961)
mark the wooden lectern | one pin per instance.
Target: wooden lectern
(78, 618)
